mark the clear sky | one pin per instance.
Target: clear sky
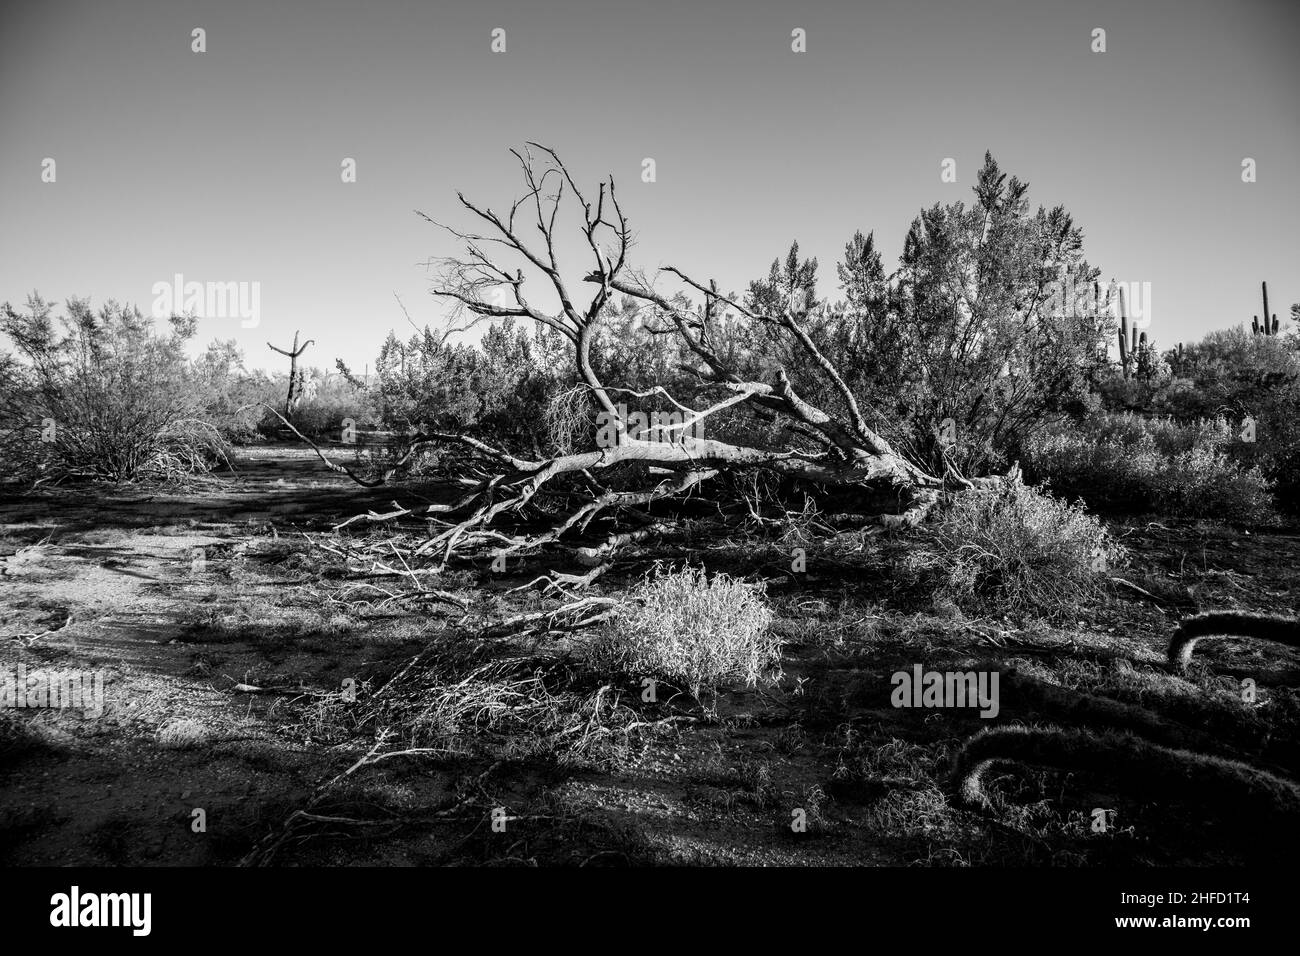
(225, 165)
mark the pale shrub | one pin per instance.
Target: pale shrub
(686, 628)
(1021, 552)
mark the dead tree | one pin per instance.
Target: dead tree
(832, 451)
(295, 374)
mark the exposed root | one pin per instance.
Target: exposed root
(1158, 771)
(1268, 627)
(1091, 710)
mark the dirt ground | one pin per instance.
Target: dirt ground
(226, 641)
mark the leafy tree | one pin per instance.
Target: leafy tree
(969, 346)
(790, 285)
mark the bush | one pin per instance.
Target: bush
(1126, 462)
(1019, 551)
(497, 391)
(686, 628)
(101, 395)
(1235, 374)
(333, 401)
(231, 394)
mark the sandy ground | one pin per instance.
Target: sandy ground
(183, 600)
(121, 581)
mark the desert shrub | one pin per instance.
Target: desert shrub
(101, 395)
(232, 396)
(1018, 551)
(692, 630)
(1126, 462)
(498, 389)
(1233, 374)
(332, 401)
(516, 389)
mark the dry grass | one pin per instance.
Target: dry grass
(183, 734)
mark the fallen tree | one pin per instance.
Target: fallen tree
(515, 504)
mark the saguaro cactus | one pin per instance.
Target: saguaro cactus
(1128, 349)
(295, 376)
(1270, 323)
